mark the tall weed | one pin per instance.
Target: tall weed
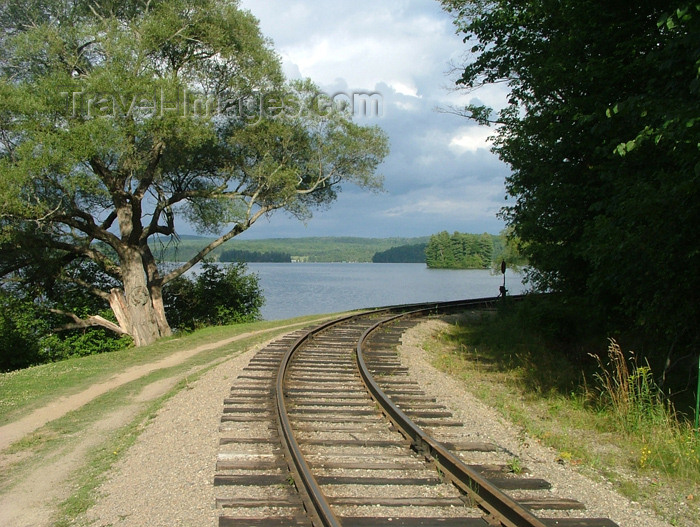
(638, 409)
(635, 399)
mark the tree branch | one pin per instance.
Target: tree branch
(92, 289)
(109, 220)
(237, 229)
(93, 254)
(91, 321)
(147, 180)
(85, 223)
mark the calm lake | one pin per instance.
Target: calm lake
(295, 289)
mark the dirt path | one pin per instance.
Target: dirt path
(33, 500)
(32, 492)
(16, 430)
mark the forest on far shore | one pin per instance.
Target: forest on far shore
(442, 250)
(308, 249)
(462, 251)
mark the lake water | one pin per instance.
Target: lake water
(296, 289)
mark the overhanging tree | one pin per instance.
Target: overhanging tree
(120, 120)
(601, 131)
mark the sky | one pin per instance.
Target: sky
(440, 174)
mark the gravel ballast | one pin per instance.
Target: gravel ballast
(166, 477)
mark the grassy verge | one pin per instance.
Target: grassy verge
(638, 444)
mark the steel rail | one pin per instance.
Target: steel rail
(316, 504)
(315, 500)
(501, 506)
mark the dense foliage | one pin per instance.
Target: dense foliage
(120, 121)
(412, 253)
(459, 251)
(33, 329)
(19, 332)
(602, 132)
(216, 296)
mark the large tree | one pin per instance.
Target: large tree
(120, 120)
(602, 132)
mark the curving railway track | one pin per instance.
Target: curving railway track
(325, 428)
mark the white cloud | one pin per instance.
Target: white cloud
(405, 89)
(365, 42)
(471, 139)
(406, 106)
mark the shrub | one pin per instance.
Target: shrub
(20, 331)
(28, 337)
(217, 296)
(80, 343)
(30, 322)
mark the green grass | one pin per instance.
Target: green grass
(639, 444)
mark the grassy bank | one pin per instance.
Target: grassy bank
(607, 421)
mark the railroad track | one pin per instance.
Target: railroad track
(325, 428)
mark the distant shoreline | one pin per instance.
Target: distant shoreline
(312, 249)
(330, 249)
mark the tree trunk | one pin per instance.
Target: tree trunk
(140, 314)
(157, 300)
